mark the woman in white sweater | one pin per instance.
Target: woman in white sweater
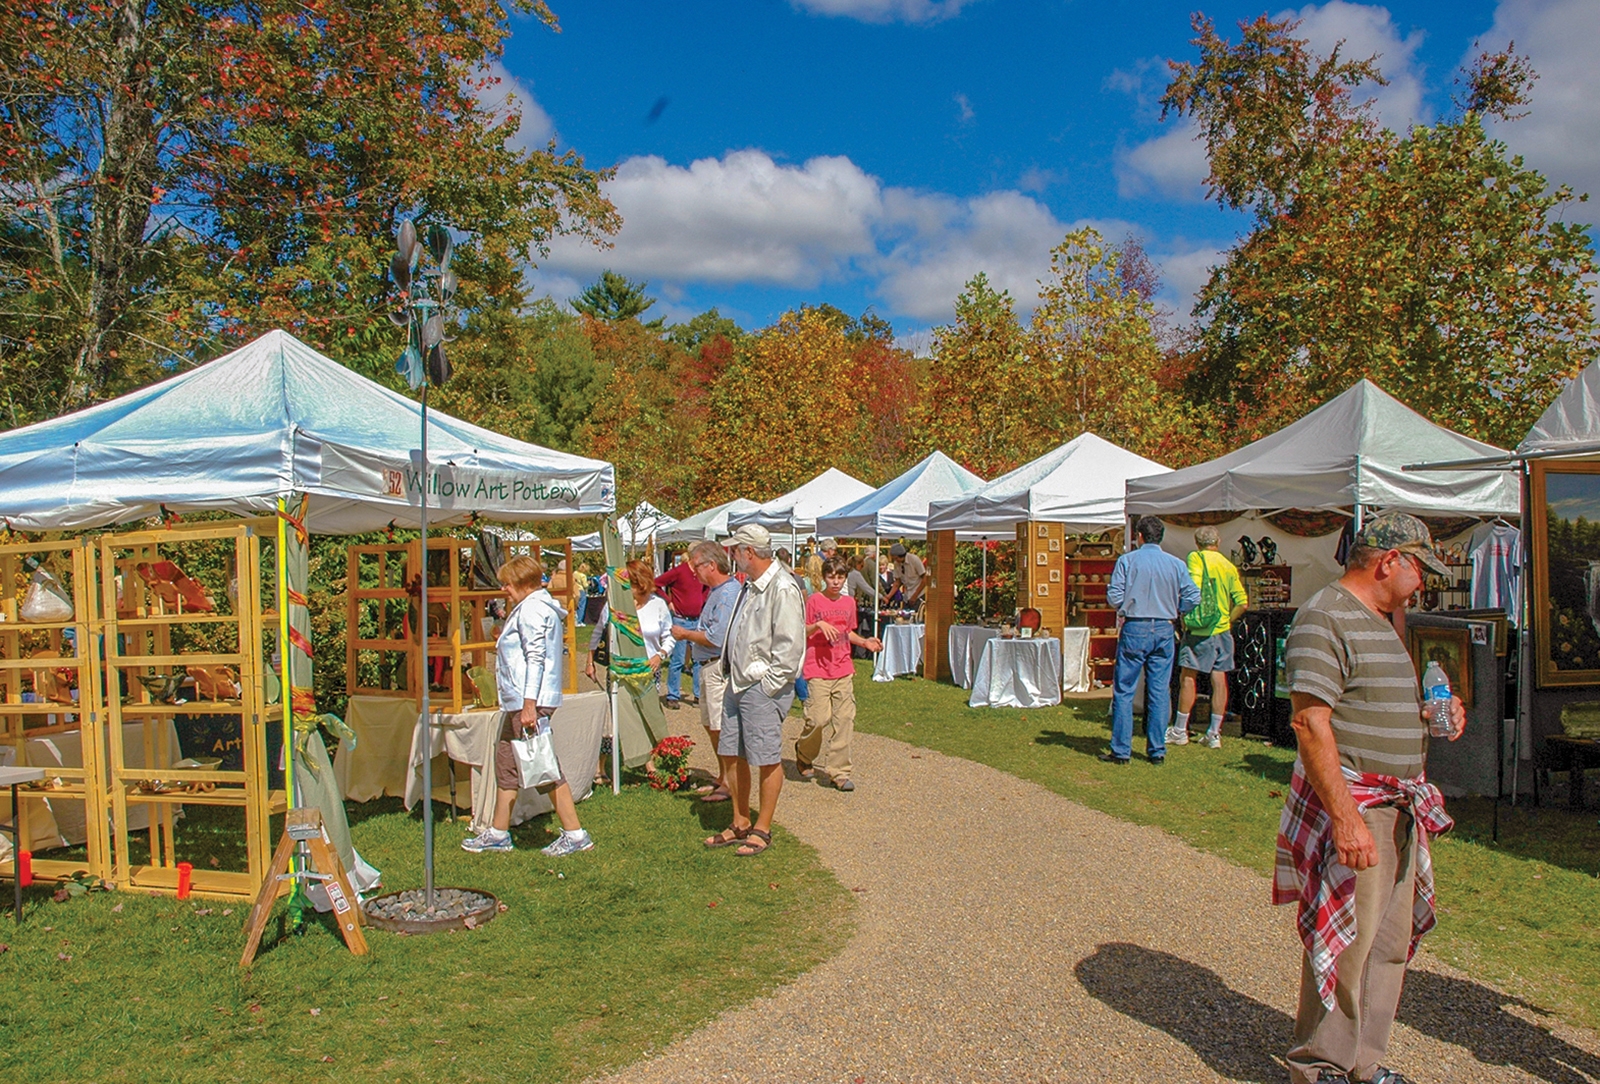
(528, 668)
(655, 620)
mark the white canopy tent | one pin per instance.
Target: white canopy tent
(1348, 452)
(710, 525)
(1080, 484)
(795, 513)
(899, 509)
(1571, 424)
(276, 417)
(637, 529)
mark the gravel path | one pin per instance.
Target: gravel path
(1008, 934)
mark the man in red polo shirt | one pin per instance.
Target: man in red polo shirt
(685, 596)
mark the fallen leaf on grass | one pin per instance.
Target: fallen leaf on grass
(772, 885)
(4, 947)
(713, 903)
(383, 997)
(215, 862)
(858, 888)
(203, 911)
(440, 1042)
(227, 910)
(504, 907)
(326, 1057)
(469, 922)
(61, 895)
(68, 955)
(1274, 794)
(117, 910)
(316, 1012)
(916, 756)
(256, 1009)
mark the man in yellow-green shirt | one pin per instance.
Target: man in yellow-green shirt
(1207, 645)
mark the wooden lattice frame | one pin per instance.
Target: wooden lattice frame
(21, 722)
(463, 607)
(142, 618)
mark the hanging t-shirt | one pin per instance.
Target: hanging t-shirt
(1495, 551)
(826, 660)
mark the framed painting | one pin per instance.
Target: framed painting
(1565, 529)
(1494, 622)
(1450, 648)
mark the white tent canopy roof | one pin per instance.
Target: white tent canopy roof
(1572, 421)
(1080, 484)
(710, 525)
(636, 529)
(900, 508)
(796, 511)
(275, 417)
(1349, 450)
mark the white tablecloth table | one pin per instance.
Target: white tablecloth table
(1077, 676)
(966, 648)
(376, 765)
(901, 654)
(62, 822)
(469, 738)
(1018, 674)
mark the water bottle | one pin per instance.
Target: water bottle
(1436, 691)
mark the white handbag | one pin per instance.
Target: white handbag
(536, 757)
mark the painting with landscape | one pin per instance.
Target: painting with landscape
(1566, 530)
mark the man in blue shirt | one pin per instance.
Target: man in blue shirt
(1151, 589)
(710, 563)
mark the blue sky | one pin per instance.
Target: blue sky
(878, 153)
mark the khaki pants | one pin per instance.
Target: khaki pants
(1353, 1035)
(830, 707)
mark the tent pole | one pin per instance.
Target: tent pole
(877, 561)
(984, 546)
(427, 729)
(611, 685)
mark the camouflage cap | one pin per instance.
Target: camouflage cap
(1406, 533)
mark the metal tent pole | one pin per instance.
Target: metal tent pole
(611, 684)
(427, 729)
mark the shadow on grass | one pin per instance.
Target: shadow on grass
(1188, 1002)
(1473, 1016)
(1087, 744)
(1267, 767)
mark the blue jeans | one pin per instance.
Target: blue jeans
(1144, 647)
(676, 660)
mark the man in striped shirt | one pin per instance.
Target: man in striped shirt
(1353, 843)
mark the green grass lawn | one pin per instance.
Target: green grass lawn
(600, 958)
(1523, 913)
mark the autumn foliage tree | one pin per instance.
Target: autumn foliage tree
(1433, 262)
(180, 175)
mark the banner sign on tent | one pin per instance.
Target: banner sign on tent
(449, 486)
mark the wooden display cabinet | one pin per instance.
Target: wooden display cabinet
(1043, 579)
(147, 630)
(382, 656)
(1267, 585)
(44, 677)
(1087, 579)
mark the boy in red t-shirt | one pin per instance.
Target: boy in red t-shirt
(830, 630)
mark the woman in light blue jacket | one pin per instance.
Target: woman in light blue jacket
(528, 673)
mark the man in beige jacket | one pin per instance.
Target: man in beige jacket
(761, 656)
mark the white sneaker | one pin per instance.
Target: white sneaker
(490, 840)
(1176, 736)
(1212, 740)
(567, 844)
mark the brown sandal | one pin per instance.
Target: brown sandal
(728, 837)
(716, 794)
(757, 840)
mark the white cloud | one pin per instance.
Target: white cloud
(965, 106)
(1036, 179)
(885, 11)
(1561, 38)
(1184, 271)
(746, 219)
(1170, 166)
(1370, 31)
(740, 218)
(507, 96)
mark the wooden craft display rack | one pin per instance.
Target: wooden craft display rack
(123, 628)
(382, 654)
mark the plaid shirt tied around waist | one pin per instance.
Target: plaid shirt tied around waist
(1308, 870)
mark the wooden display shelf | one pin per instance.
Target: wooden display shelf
(209, 884)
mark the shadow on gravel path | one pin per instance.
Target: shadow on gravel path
(1232, 1033)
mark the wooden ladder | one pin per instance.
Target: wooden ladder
(305, 826)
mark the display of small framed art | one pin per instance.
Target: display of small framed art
(1498, 625)
(1055, 545)
(1041, 558)
(1565, 525)
(1450, 648)
(1055, 575)
(1044, 530)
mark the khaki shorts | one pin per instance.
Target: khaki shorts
(507, 776)
(712, 687)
